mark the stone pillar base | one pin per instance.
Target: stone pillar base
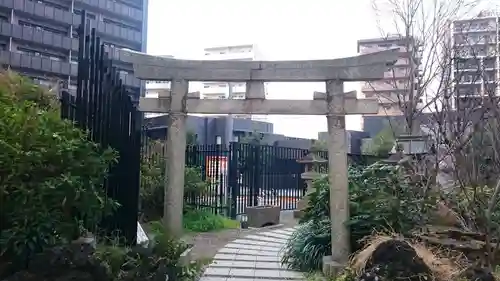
(331, 268)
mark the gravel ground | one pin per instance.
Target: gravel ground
(207, 244)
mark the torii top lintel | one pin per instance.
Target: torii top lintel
(358, 68)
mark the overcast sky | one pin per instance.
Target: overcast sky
(282, 29)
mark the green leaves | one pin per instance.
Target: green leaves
(203, 220)
(307, 246)
(153, 184)
(51, 176)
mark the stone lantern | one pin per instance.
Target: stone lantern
(312, 171)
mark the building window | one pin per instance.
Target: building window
(53, 5)
(79, 12)
(112, 22)
(384, 45)
(218, 140)
(37, 53)
(41, 27)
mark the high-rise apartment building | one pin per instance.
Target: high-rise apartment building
(475, 70)
(224, 90)
(393, 89)
(39, 38)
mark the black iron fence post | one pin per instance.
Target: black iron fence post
(104, 108)
(256, 176)
(233, 185)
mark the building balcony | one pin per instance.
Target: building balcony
(470, 81)
(230, 56)
(222, 89)
(397, 73)
(378, 86)
(157, 85)
(108, 6)
(46, 13)
(374, 49)
(463, 89)
(386, 97)
(23, 62)
(402, 61)
(42, 37)
(45, 38)
(473, 27)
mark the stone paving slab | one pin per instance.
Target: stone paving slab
(266, 238)
(253, 247)
(236, 257)
(252, 258)
(260, 243)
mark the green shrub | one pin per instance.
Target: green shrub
(204, 221)
(153, 184)
(308, 245)
(381, 197)
(160, 259)
(52, 176)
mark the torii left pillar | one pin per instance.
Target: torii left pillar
(176, 157)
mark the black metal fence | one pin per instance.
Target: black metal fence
(243, 174)
(103, 106)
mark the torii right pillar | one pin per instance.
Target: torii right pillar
(337, 172)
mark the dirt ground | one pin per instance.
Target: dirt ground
(207, 244)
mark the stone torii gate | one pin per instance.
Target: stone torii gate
(335, 104)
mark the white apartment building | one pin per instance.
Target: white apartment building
(224, 90)
(475, 71)
(153, 89)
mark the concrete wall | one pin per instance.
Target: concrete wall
(208, 128)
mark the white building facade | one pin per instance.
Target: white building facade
(475, 71)
(236, 90)
(153, 89)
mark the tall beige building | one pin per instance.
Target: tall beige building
(393, 90)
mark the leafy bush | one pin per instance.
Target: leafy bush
(51, 177)
(16, 89)
(204, 221)
(381, 198)
(384, 198)
(308, 245)
(153, 182)
(160, 259)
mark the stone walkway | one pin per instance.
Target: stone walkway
(253, 257)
